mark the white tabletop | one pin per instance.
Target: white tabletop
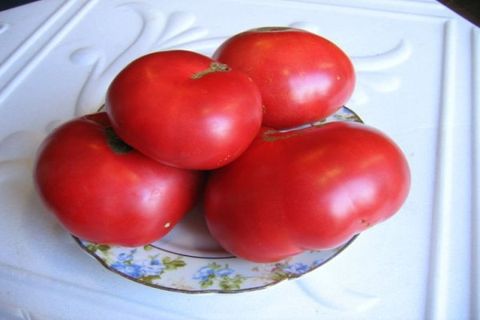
(418, 81)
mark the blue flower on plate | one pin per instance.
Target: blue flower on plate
(223, 276)
(317, 262)
(152, 268)
(296, 268)
(224, 272)
(204, 273)
(124, 256)
(132, 270)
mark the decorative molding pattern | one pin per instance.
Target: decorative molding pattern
(39, 55)
(372, 71)
(385, 60)
(437, 297)
(27, 43)
(4, 27)
(406, 9)
(449, 292)
(105, 302)
(421, 10)
(475, 145)
(8, 312)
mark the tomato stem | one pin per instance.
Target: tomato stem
(214, 67)
(273, 29)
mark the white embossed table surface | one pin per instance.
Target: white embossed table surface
(418, 81)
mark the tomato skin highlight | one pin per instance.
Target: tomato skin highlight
(185, 110)
(106, 194)
(302, 77)
(310, 189)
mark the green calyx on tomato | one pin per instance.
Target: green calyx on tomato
(115, 143)
(272, 29)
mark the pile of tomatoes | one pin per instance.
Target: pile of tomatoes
(229, 131)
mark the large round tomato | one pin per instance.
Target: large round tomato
(302, 76)
(308, 189)
(185, 110)
(104, 191)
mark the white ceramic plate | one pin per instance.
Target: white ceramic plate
(189, 260)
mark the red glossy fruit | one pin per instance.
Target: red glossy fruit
(185, 110)
(104, 191)
(302, 77)
(307, 189)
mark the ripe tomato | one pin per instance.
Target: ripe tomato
(102, 190)
(185, 110)
(307, 189)
(302, 77)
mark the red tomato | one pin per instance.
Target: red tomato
(185, 110)
(302, 77)
(103, 191)
(308, 189)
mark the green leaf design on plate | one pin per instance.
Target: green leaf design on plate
(214, 266)
(94, 247)
(91, 248)
(204, 284)
(279, 275)
(103, 247)
(173, 264)
(150, 279)
(231, 283)
(222, 275)
(278, 272)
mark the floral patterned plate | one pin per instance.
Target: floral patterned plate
(187, 259)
